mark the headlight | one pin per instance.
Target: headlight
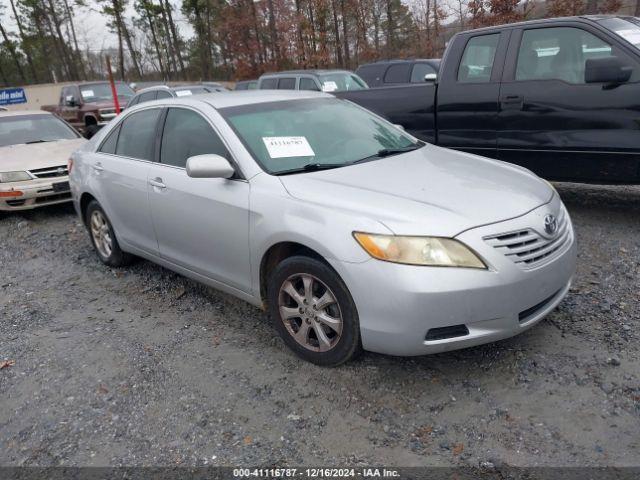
(432, 251)
(7, 177)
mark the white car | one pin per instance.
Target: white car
(351, 232)
(35, 147)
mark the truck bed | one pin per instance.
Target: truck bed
(412, 106)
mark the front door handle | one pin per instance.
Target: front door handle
(157, 182)
(98, 167)
(512, 102)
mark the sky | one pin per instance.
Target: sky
(91, 26)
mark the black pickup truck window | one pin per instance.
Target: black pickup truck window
(558, 53)
(477, 59)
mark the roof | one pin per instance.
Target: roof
(18, 113)
(583, 18)
(240, 98)
(170, 89)
(308, 72)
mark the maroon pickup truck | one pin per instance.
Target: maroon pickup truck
(89, 106)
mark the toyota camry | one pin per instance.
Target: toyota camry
(352, 233)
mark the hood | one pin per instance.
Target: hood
(430, 191)
(37, 155)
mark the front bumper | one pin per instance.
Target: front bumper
(399, 305)
(34, 193)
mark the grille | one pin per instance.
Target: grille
(50, 172)
(527, 248)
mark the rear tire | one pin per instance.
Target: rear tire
(313, 311)
(104, 238)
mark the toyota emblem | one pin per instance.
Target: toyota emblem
(550, 224)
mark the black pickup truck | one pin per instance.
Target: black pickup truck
(558, 96)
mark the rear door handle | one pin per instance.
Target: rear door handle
(157, 182)
(512, 102)
(98, 167)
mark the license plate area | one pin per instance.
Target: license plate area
(61, 187)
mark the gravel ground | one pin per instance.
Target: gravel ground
(140, 366)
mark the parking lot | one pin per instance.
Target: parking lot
(140, 366)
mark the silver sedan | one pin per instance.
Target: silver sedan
(352, 233)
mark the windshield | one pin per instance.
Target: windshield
(33, 129)
(102, 91)
(627, 28)
(289, 135)
(341, 81)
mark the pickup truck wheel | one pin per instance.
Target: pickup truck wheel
(91, 130)
(313, 311)
(104, 238)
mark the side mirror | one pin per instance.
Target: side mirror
(70, 101)
(209, 166)
(430, 77)
(610, 70)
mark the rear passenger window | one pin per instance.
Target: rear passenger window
(163, 94)
(269, 84)
(109, 145)
(147, 97)
(133, 101)
(477, 59)
(287, 84)
(397, 73)
(419, 71)
(308, 84)
(187, 133)
(137, 135)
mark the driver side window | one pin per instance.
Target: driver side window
(558, 53)
(187, 134)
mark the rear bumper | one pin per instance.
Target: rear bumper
(34, 193)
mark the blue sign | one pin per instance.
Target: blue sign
(11, 96)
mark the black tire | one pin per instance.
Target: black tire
(116, 257)
(347, 344)
(91, 130)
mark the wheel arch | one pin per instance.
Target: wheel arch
(85, 199)
(278, 252)
(90, 119)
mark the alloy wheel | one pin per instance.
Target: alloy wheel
(101, 234)
(310, 312)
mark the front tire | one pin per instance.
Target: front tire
(91, 130)
(313, 311)
(104, 238)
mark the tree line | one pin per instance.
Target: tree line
(237, 39)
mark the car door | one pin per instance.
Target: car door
(556, 124)
(68, 111)
(120, 175)
(202, 224)
(468, 91)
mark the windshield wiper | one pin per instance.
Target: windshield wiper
(386, 152)
(312, 167)
(37, 141)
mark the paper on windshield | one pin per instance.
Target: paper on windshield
(183, 93)
(87, 93)
(283, 147)
(329, 86)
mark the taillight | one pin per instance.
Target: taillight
(69, 165)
